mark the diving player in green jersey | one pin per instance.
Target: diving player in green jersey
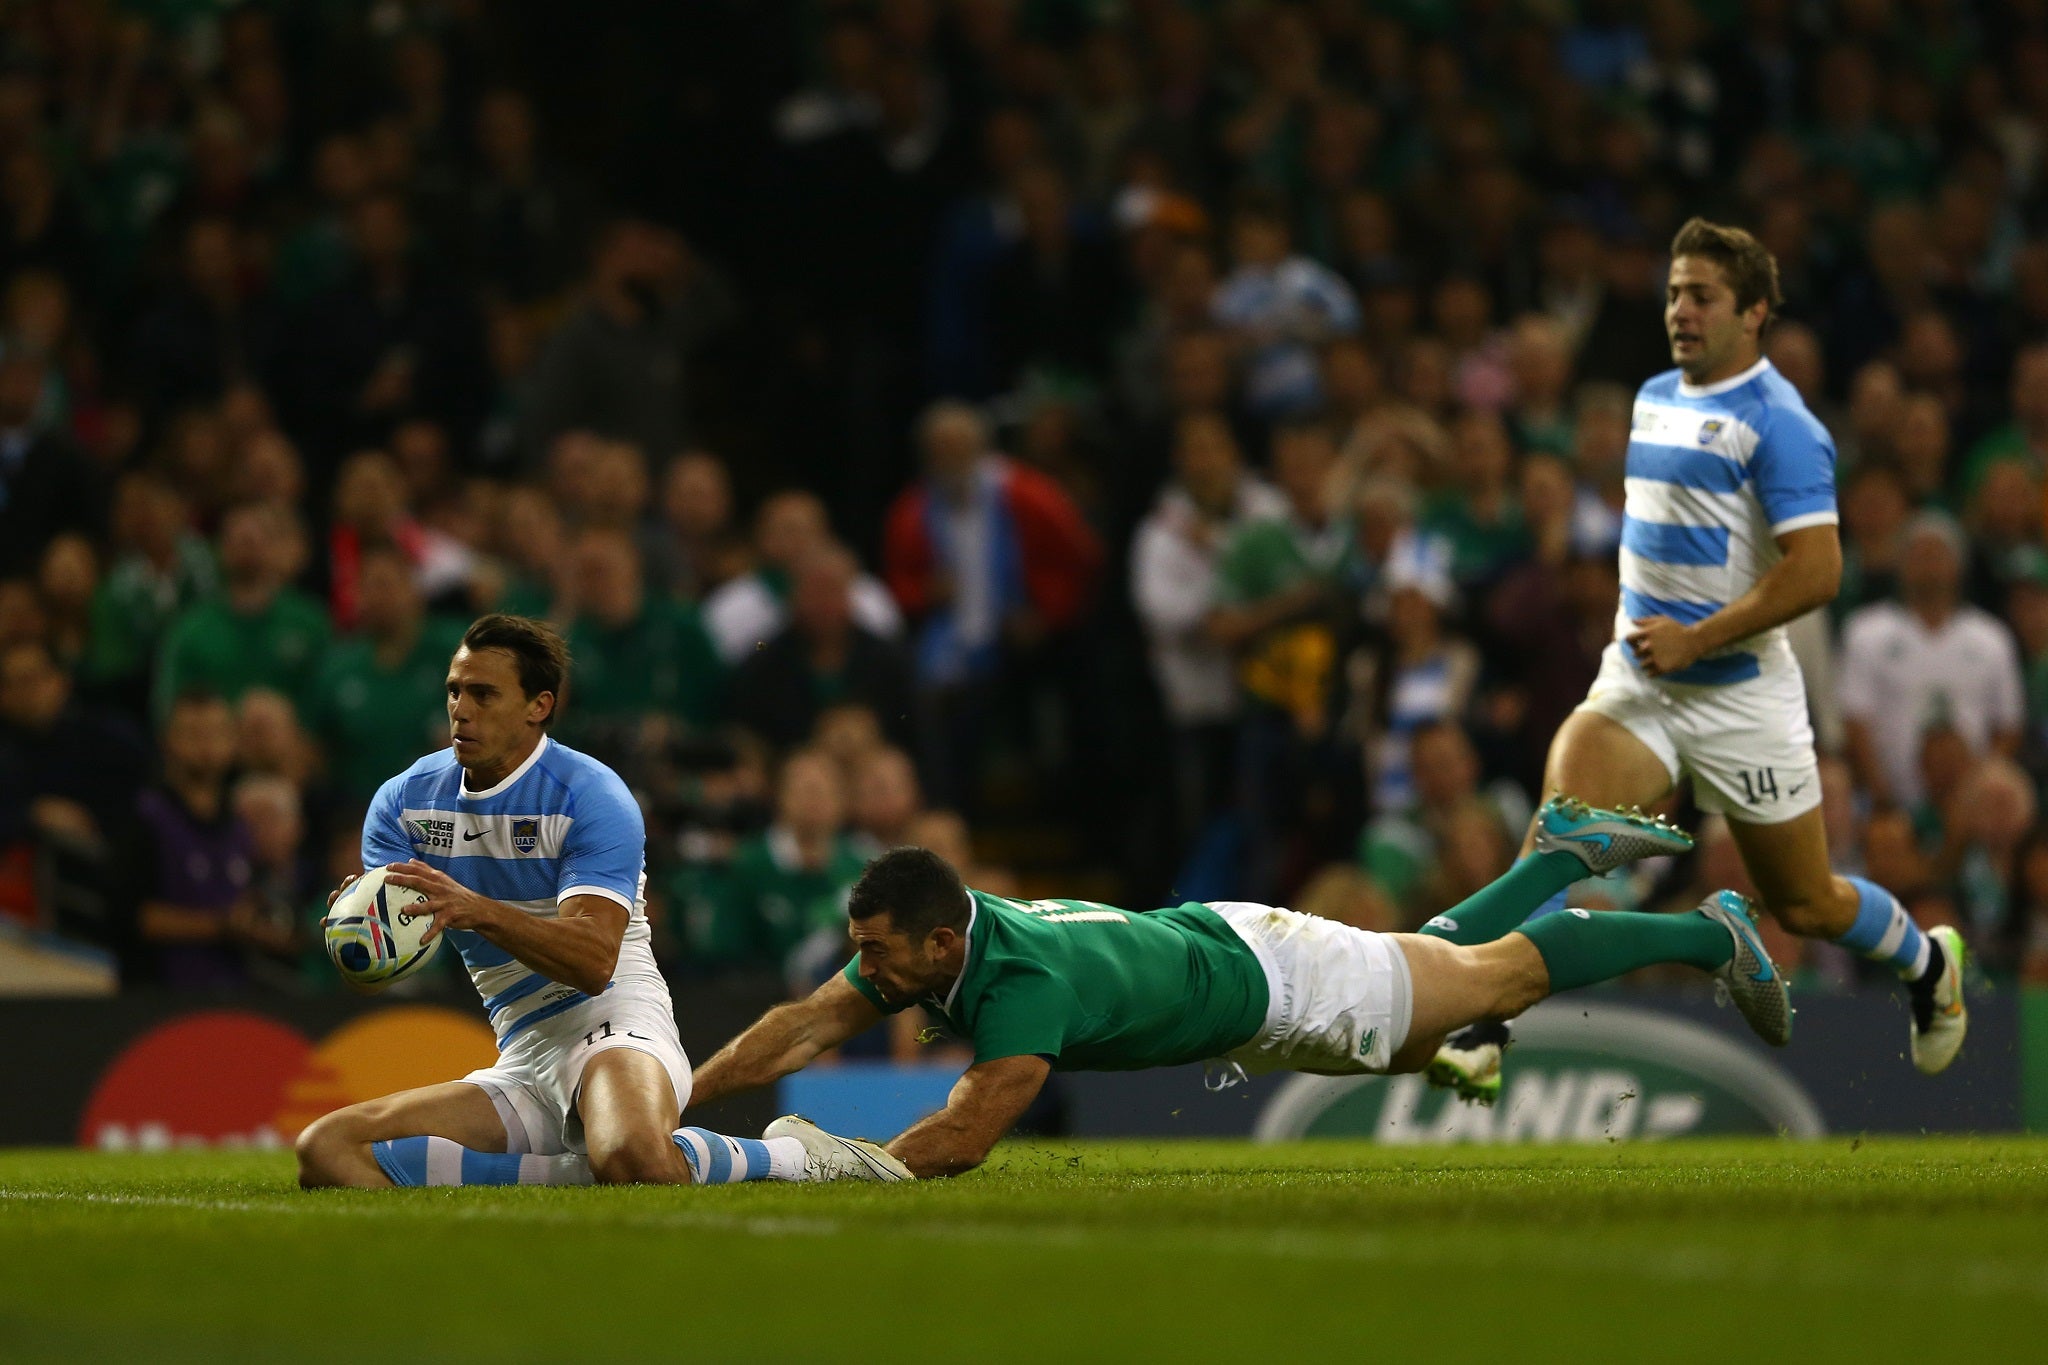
(1039, 986)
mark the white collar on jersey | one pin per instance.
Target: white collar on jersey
(1686, 390)
(966, 958)
(466, 794)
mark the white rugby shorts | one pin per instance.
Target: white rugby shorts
(1340, 999)
(1748, 746)
(538, 1073)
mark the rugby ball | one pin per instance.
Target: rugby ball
(373, 934)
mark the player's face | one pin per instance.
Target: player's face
(1711, 338)
(902, 969)
(492, 722)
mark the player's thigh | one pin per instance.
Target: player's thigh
(1604, 762)
(627, 1106)
(454, 1109)
(1788, 862)
(626, 1090)
(623, 1076)
(1615, 749)
(1452, 985)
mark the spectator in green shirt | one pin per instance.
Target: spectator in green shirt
(259, 631)
(1401, 848)
(1278, 608)
(2025, 437)
(1478, 513)
(1540, 357)
(2026, 608)
(2005, 532)
(785, 896)
(377, 702)
(638, 653)
(1277, 581)
(163, 567)
(533, 550)
(1920, 451)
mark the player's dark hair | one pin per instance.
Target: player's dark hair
(1751, 269)
(916, 888)
(541, 655)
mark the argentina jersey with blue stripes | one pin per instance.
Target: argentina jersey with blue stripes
(562, 824)
(1716, 473)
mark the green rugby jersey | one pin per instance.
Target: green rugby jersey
(1095, 988)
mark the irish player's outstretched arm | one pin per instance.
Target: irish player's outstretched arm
(985, 1103)
(787, 1038)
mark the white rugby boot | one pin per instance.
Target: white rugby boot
(827, 1156)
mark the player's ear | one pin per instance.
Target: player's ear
(541, 707)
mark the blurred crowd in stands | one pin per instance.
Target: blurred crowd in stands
(1144, 450)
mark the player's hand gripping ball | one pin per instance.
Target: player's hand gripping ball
(373, 932)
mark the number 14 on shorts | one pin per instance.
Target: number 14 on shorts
(1761, 784)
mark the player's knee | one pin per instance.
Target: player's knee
(317, 1146)
(1808, 917)
(648, 1161)
(323, 1146)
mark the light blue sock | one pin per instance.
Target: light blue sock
(716, 1159)
(415, 1162)
(1884, 932)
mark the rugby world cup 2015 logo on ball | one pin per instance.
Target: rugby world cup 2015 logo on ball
(374, 930)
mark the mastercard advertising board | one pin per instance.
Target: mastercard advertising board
(238, 1078)
(149, 1071)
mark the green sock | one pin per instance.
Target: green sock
(1498, 908)
(1580, 947)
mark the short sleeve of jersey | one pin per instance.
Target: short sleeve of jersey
(1023, 1017)
(1793, 471)
(874, 997)
(384, 840)
(606, 847)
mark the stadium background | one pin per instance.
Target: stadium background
(324, 327)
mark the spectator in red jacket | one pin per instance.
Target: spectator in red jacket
(984, 554)
(990, 559)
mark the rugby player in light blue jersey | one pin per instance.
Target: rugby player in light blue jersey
(1729, 532)
(533, 861)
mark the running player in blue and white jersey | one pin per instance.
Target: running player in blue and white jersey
(533, 861)
(1729, 532)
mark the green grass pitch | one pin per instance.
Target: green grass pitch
(1151, 1251)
